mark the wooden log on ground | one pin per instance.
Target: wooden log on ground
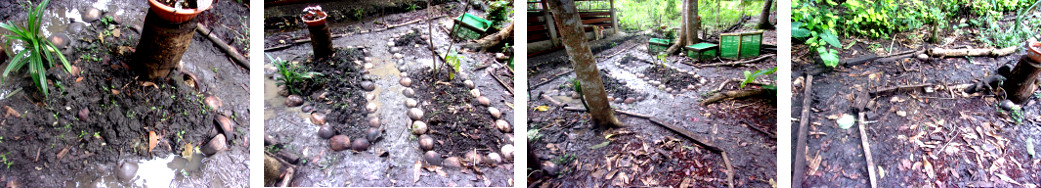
(941, 52)
(799, 170)
(496, 39)
(736, 63)
(738, 94)
(501, 83)
(558, 75)
(900, 88)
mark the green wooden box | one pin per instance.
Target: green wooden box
(657, 45)
(702, 51)
(470, 27)
(740, 45)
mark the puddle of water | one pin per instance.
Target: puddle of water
(157, 172)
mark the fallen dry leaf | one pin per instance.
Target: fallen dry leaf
(152, 140)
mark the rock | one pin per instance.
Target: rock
(84, 114)
(469, 84)
(398, 56)
(484, 101)
(91, 15)
(294, 101)
(404, 74)
(60, 40)
(426, 142)
(630, 100)
(618, 100)
(503, 126)
(411, 103)
(639, 75)
(213, 102)
(391, 43)
(374, 121)
(432, 158)
(217, 144)
(494, 158)
(415, 113)
(75, 28)
(406, 81)
(471, 158)
(395, 49)
(451, 162)
(419, 128)
(360, 144)
(326, 132)
(500, 56)
(127, 171)
(610, 98)
(371, 107)
(339, 143)
(507, 152)
(923, 57)
(1008, 105)
(550, 168)
(367, 66)
(409, 92)
(307, 109)
(475, 92)
(318, 118)
(226, 126)
(373, 133)
(495, 112)
(368, 85)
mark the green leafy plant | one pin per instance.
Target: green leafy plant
(751, 76)
(39, 53)
(292, 75)
(453, 58)
(412, 7)
(499, 12)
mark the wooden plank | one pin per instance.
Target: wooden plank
(598, 20)
(537, 28)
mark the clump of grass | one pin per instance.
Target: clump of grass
(39, 53)
(292, 75)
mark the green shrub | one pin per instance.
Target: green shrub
(39, 53)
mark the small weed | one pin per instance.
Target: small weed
(749, 77)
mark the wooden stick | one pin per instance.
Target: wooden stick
(730, 170)
(941, 52)
(683, 132)
(800, 149)
(898, 88)
(550, 79)
(503, 84)
(732, 95)
(867, 152)
(239, 59)
(306, 40)
(288, 177)
(554, 101)
(736, 63)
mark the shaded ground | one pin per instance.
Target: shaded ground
(396, 160)
(918, 138)
(645, 154)
(51, 145)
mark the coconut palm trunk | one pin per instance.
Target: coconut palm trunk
(764, 17)
(571, 29)
(690, 25)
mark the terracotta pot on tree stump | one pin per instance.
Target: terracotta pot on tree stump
(1020, 85)
(321, 40)
(165, 37)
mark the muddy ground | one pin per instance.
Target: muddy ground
(942, 138)
(645, 154)
(52, 145)
(395, 159)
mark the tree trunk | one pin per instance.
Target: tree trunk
(764, 18)
(570, 26)
(689, 27)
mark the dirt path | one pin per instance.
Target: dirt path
(563, 135)
(398, 166)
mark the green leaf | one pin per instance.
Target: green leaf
(831, 38)
(601, 145)
(829, 56)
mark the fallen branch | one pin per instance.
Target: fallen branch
(941, 52)
(239, 59)
(554, 101)
(550, 79)
(503, 84)
(732, 95)
(900, 88)
(771, 135)
(736, 63)
(683, 132)
(867, 153)
(800, 149)
(288, 177)
(730, 170)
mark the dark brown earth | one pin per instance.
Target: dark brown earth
(944, 138)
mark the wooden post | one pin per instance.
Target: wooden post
(550, 25)
(1020, 84)
(614, 18)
